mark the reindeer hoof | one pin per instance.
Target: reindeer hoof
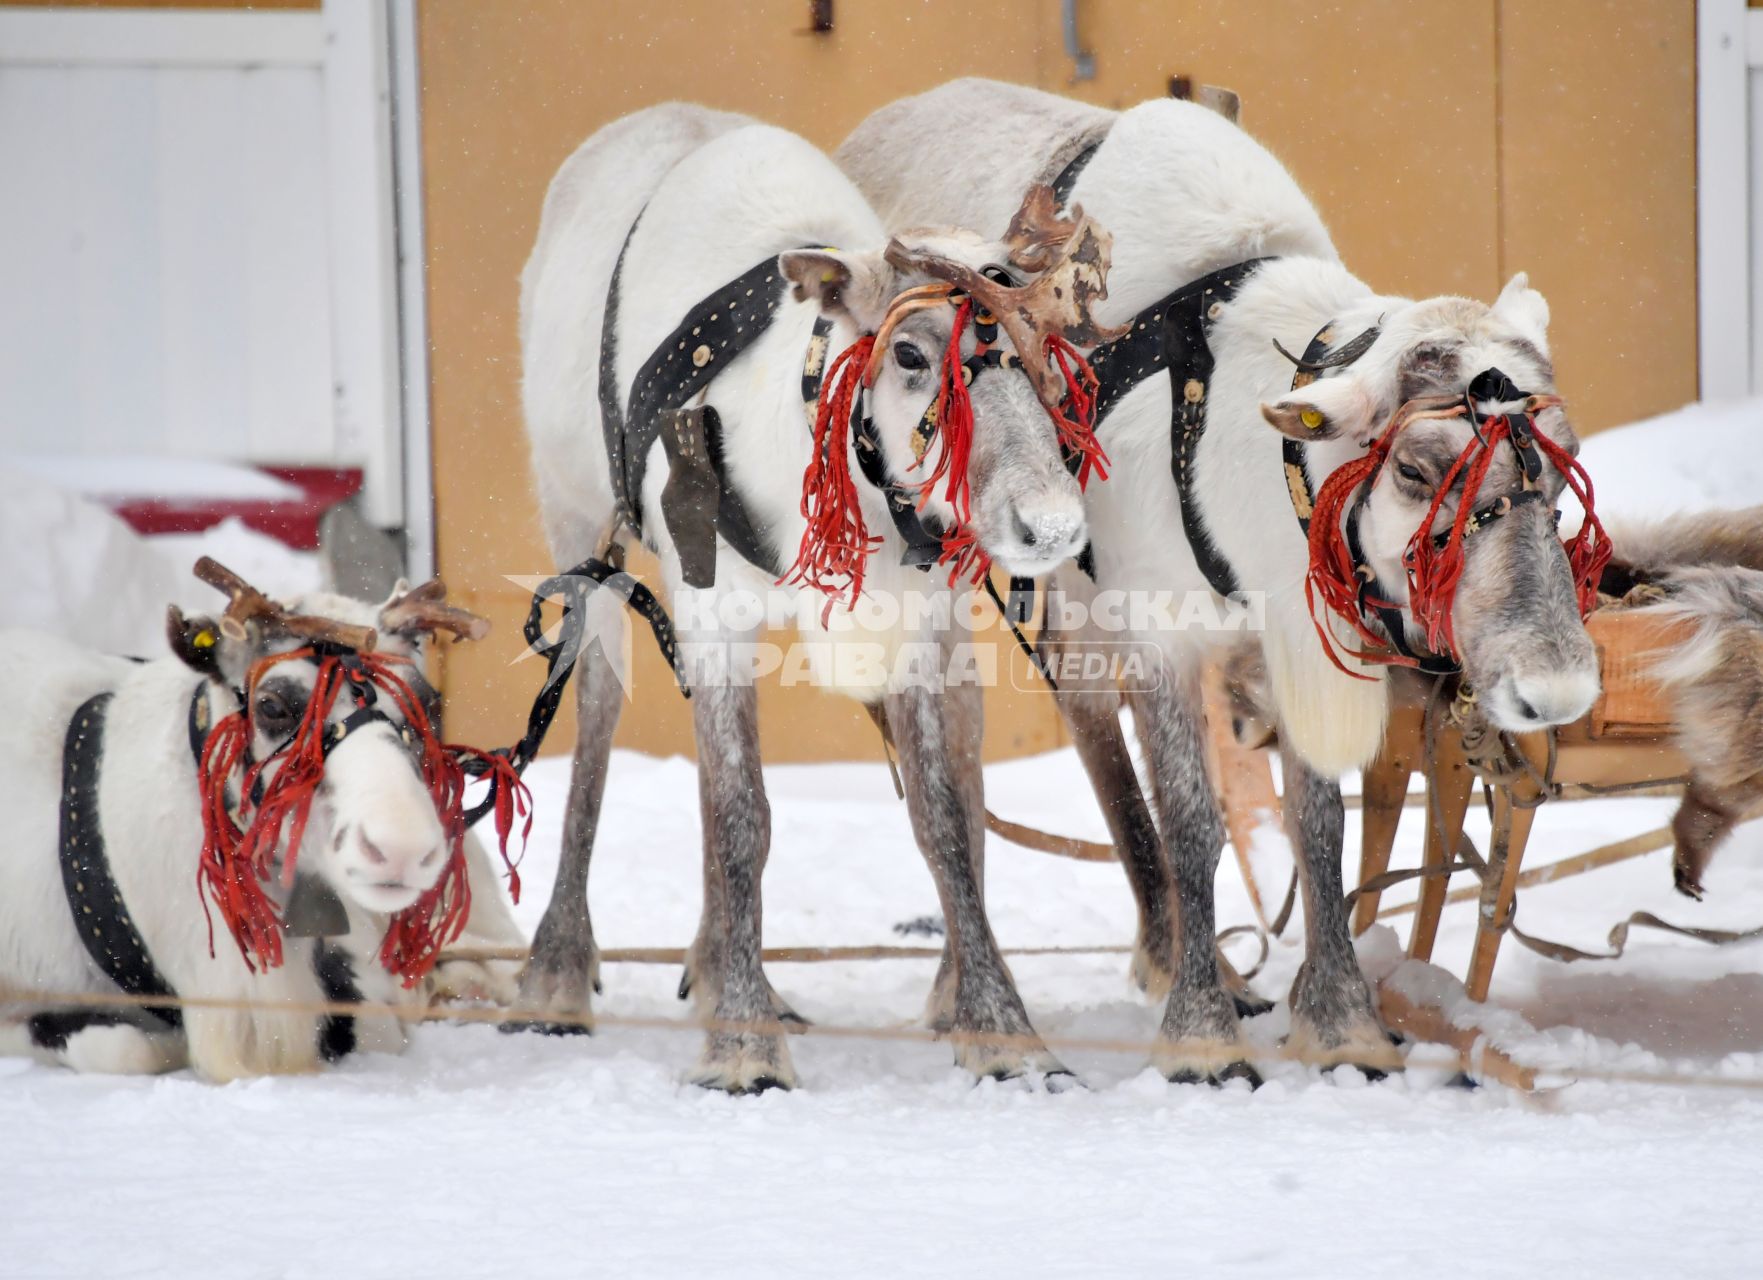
(1371, 1075)
(1064, 1082)
(1463, 1080)
(1687, 884)
(685, 983)
(1238, 1070)
(761, 1084)
(1250, 1005)
(741, 1063)
(543, 1028)
(744, 1089)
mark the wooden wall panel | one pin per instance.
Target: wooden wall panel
(1447, 143)
(1598, 131)
(509, 90)
(1384, 111)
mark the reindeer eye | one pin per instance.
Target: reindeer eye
(908, 356)
(275, 708)
(1410, 474)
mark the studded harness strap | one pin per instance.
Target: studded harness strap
(714, 332)
(99, 914)
(1067, 177)
(1170, 337)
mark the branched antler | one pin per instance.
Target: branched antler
(246, 604)
(1069, 260)
(424, 609)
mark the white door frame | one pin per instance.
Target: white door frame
(377, 335)
(412, 274)
(1729, 196)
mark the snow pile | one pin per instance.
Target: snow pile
(1700, 456)
(73, 569)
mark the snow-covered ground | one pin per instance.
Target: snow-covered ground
(479, 1154)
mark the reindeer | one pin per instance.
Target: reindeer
(279, 774)
(1325, 519)
(819, 488)
(1705, 570)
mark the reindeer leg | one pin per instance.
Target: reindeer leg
(1702, 821)
(563, 970)
(1091, 710)
(1200, 1038)
(1333, 1014)
(744, 1050)
(1092, 717)
(990, 1028)
(706, 961)
(966, 727)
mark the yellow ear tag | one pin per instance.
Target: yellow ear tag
(1311, 418)
(203, 639)
(827, 277)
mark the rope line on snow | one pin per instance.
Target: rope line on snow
(1389, 1059)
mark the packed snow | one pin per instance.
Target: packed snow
(481, 1154)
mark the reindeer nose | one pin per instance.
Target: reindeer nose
(1053, 529)
(1556, 698)
(398, 856)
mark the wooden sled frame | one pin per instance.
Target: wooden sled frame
(1624, 743)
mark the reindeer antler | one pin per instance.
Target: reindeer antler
(425, 609)
(1070, 257)
(247, 604)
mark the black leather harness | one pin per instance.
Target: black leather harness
(99, 915)
(102, 919)
(714, 332)
(1171, 337)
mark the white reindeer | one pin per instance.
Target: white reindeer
(1185, 194)
(106, 844)
(646, 221)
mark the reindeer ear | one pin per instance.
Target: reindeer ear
(196, 641)
(1524, 309)
(854, 285)
(1325, 410)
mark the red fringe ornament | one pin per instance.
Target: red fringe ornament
(236, 862)
(1077, 430)
(1433, 571)
(836, 544)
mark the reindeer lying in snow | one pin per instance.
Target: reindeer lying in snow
(148, 796)
(699, 416)
(1222, 267)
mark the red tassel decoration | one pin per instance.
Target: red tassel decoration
(236, 863)
(836, 544)
(1077, 430)
(1433, 571)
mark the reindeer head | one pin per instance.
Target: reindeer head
(332, 762)
(1511, 610)
(953, 320)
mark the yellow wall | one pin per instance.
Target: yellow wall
(1448, 143)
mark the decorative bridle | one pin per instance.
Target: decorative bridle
(1340, 574)
(250, 814)
(1045, 320)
